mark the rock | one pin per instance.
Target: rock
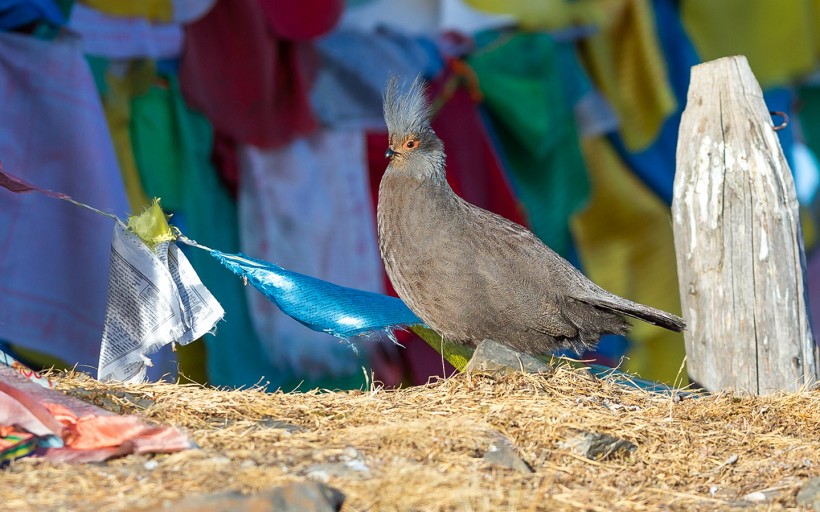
(501, 452)
(298, 497)
(594, 445)
(493, 357)
(306, 496)
(809, 494)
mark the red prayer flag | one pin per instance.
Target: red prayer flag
(19, 185)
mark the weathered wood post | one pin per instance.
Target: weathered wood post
(741, 263)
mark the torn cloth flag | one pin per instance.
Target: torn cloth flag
(54, 256)
(319, 305)
(80, 432)
(306, 206)
(7, 360)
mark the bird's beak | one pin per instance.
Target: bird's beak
(389, 153)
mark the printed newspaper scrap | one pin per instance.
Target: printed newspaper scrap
(154, 298)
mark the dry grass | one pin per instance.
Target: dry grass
(423, 447)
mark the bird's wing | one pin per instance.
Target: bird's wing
(559, 296)
(553, 323)
(520, 262)
(500, 231)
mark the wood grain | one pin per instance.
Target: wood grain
(739, 245)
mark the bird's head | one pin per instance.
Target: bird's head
(413, 145)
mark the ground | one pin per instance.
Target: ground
(423, 448)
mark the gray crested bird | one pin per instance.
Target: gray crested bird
(470, 274)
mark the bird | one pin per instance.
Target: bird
(470, 274)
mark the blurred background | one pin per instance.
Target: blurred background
(258, 124)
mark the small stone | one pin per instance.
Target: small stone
(756, 497)
(501, 452)
(350, 453)
(763, 495)
(298, 497)
(150, 465)
(809, 494)
(493, 357)
(597, 446)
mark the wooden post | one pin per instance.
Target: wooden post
(741, 262)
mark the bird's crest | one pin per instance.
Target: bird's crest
(409, 112)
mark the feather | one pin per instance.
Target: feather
(406, 112)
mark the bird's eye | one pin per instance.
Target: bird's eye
(410, 144)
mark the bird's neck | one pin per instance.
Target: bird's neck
(438, 165)
(408, 208)
(416, 188)
(427, 168)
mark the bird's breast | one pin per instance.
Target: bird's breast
(412, 226)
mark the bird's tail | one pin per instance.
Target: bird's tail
(646, 313)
